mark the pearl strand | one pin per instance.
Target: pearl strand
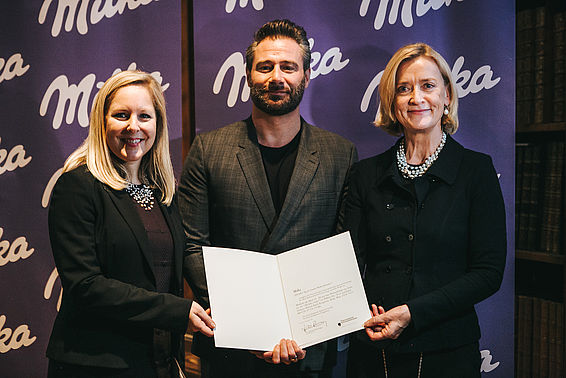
(414, 171)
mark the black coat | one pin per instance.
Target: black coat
(441, 255)
(110, 304)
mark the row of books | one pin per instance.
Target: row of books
(539, 338)
(541, 66)
(539, 196)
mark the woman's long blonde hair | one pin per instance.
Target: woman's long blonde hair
(156, 169)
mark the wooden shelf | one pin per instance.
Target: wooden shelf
(541, 127)
(550, 258)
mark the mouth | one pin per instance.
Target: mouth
(132, 142)
(418, 111)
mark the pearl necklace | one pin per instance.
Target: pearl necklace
(142, 194)
(414, 171)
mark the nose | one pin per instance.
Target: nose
(133, 125)
(416, 95)
(276, 74)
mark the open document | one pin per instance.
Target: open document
(310, 294)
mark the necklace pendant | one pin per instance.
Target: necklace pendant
(142, 195)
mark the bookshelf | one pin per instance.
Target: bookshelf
(540, 216)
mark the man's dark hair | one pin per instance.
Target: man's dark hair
(277, 29)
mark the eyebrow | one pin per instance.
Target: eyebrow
(290, 62)
(420, 81)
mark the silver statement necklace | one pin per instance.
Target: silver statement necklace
(413, 171)
(142, 194)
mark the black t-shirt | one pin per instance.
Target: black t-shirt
(279, 163)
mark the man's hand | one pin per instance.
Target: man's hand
(287, 352)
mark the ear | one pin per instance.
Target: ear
(307, 77)
(448, 99)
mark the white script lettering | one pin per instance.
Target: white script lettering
(16, 339)
(13, 67)
(422, 7)
(71, 93)
(16, 158)
(15, 251)
(321, 64)
(97, 12)
(486, 365)
(231, 4)
(49, 287)
(49, 187)
(481, 79)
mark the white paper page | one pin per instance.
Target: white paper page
(246, 299)
(323, 289)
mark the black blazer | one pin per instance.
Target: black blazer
(110, 304)
(441, 255)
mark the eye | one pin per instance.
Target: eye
(289, 67)
(121, 115)
(145, 116)
(402, 89)
(429, 85)
(264, 68)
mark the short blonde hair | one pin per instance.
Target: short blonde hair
(387, 89)
(156, 169)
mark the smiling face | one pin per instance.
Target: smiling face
(277, 79)
(131, 124)
(420, 95)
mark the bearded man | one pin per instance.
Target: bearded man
(269, 183)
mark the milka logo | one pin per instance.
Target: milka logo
(14, 339)
(13, 67)
(50, 284)
(97, 12)
(18, 249)
(481, 79)
(71, 93)
(423, 6)
(16, 158)
(320, 65)
(486, 365)
(231, 4)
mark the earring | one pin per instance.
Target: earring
(446, 110)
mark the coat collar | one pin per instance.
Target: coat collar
(444, 168)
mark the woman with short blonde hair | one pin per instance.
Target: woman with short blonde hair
(386, 117)
(427, 220)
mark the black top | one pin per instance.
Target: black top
(160, 245)
(279, 163)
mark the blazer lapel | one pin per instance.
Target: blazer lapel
(306, 165)
(178, 237)
(125, 206)
(251, 163)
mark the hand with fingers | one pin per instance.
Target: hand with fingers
(387, 324)
(200, 320)
(287, 352)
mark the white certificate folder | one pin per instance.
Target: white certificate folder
(309, 294)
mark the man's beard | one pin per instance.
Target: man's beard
(260, 98)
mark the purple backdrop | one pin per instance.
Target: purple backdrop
(353, 40)
(52, 60)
